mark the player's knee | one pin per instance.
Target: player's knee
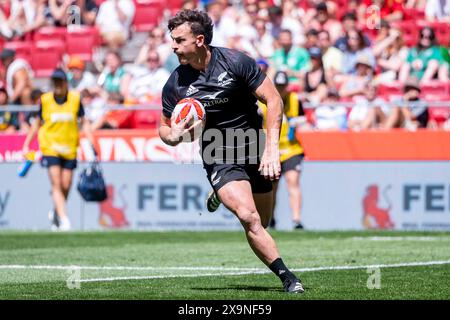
(250, 219)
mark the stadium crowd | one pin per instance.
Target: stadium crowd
(357, 63)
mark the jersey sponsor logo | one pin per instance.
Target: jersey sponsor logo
(212, 96)
(61, 117)
(191, 90)
(221, 79)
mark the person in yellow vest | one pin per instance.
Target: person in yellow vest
(57, 124)
(291, 151)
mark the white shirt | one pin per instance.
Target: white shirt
(361, 109)
(108, 18)
(15, 66)
(145, 82)
(331, 117)
(87, 81)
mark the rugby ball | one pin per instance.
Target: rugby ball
(189, 106)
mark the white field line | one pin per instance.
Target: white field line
(126, 268)
(238, 271)
(400, 238)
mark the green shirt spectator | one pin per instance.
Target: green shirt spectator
(419, 59)
(290, 58)
(113, 80)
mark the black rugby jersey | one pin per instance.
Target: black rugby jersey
(226, 91)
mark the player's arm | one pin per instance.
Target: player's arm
(87, 128)
(270, 162)
(35, 125)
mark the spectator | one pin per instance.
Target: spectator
(89, 11)
(390, 53)
(425, 61)
(155, 41)
(349, 22)
(62, 13)
(117, 119)
(330, 115)
(113, 78)
(26, 119)
(289, 58)
(25, 16)
(18, 77)
(438, 10)
(332, 57)
(372, 112)
(8, 120)
(315, 84)
(78, 78)
(263, 41)
(95, 109)
(224, 27)
(356, 47)
(311, 38)
(414, 111)
(279, 22)
(356, 85)
(263, 64)
(147, 85)
(114, 21)
(323, 22)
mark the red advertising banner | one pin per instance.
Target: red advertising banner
(146, 146)
(117, 145)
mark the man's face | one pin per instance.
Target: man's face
(60, 87)
(324, 40)
(184, 44)
(153, 61)
(285, 40)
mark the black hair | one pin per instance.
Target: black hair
(432, 38)
(349, 16)
(199, 21)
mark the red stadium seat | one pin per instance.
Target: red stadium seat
(389, 91)
(82, 41)
(436, 88)
(50, 33)
(23, 49)
(47, 55)
(146, 119)
(148, 15)
(439, 114)
(174, 5)
(410, 31)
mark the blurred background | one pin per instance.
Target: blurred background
(372, 79)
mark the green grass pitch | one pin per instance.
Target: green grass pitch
(220, 265)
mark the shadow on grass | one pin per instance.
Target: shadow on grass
(241, 288)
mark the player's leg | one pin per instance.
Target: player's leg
(59, 201)
(264, 206)
(273, 222)
(237, 196)
(67, 175)
(295, 197)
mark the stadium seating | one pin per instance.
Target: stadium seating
(50, 33)
(390, 91)
(145, 119)
(23, 49)
(82, 41)
(148, 15)
(47, 55)
(410, 31)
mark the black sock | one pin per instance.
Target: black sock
(278, 267)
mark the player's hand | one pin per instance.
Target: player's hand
(25, 150)
(180, 132)
(270, 165)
